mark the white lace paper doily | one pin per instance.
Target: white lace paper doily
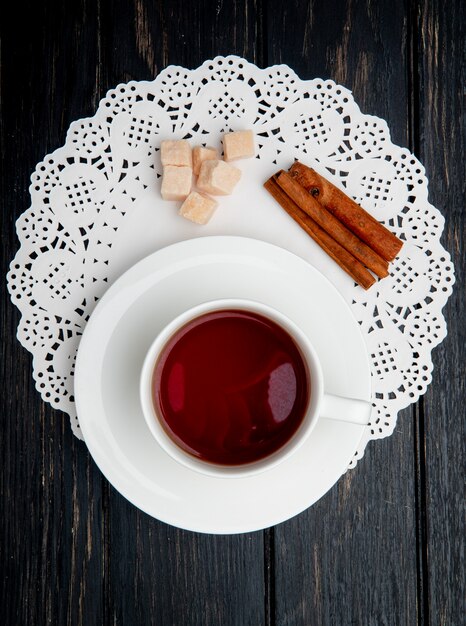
(95, 211)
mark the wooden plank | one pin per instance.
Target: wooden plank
(51, 492)
(75, 551)
(162, 575)
(157, 574)
(440, 36)
(351, 559)
(141, 39)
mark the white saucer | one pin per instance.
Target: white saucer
(110, 357)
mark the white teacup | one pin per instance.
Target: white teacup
(321, 405)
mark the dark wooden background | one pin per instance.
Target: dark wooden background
(385, 546)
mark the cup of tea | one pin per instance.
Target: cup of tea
(233, 387)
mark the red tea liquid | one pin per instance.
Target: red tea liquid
(231, 387)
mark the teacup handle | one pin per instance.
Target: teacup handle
(345, 409)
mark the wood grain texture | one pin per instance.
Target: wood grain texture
(385, 545)
(352, 558)
(50, 490)
(73, 551)
(441, 54)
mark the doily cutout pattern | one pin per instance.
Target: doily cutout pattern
(81, 193)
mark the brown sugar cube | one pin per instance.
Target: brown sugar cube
(176, 182)
(218, 178)
(176, 152)
(238, 145)
(198, 208)
(201, 154)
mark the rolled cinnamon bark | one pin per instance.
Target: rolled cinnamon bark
(341, 256)
(332, 225)
(359, 221)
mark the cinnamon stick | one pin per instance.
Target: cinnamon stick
(339, 254)
(359, 221)
(332, 225)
